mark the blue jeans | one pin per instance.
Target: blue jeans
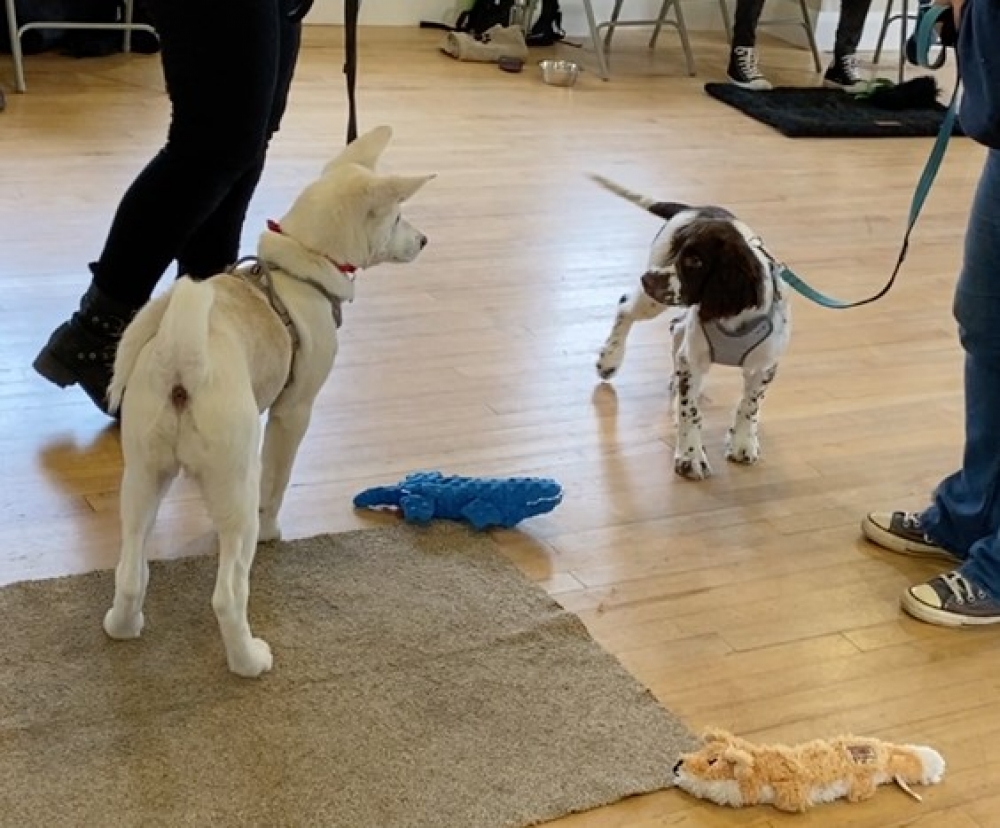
(964, 516)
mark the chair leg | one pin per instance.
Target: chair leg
(810, 35)
(595, 36)
(727, 21)
(904, 17)
(660, 20)
(682, 32)
(127, 45)
(15, 47)
(886, 20)
(615, 14)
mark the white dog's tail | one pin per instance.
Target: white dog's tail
(135, 337)
(180, 329)
(666, 210)
(183, 336)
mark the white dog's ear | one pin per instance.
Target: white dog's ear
(395, 189)
(364, 150)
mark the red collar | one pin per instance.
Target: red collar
(274, 227)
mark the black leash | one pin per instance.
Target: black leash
(351, 9)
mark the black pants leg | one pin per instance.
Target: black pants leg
(745, 21)
(227, 65)
(851, 26)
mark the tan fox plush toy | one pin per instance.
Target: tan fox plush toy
(728, 770)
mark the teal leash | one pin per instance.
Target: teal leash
(924, 40)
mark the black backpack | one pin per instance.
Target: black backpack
(548, 28)
(483, 15)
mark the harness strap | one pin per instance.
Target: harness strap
(258, 275)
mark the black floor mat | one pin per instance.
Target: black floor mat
(828, 113)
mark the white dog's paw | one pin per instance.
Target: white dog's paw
(692, 464)
(118, 625)
(269, 530)
(742, 447)
(610, 360)
(255, 659)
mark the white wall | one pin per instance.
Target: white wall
(382, 12)
(701, 15)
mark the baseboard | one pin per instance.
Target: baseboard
(384, 12)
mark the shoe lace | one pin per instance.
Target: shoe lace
(911, 522)
(851, 68)
(746, 60)
(964, 590)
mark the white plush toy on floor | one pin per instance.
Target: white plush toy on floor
(728, 770)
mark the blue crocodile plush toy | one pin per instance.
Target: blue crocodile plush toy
(482, 501)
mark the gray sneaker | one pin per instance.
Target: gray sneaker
(951, 600)
(901, 532)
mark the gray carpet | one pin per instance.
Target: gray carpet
(419, 680)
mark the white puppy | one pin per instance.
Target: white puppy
(736, 312)
(198, 366)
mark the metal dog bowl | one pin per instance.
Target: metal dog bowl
(559, 72)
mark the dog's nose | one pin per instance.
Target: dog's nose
(677, 767)
(423, 242)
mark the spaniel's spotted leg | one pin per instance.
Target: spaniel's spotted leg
(742, 444)
(690, 460)
(660, 289)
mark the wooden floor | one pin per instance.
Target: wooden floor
(747, 601)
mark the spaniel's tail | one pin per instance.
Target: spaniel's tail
(666, 210)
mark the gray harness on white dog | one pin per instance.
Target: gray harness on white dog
(732, 347)
(258, 274)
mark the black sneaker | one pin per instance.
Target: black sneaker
(82, 350)
(845, 73)
(901, 532)
(951, 600)
(743, 70)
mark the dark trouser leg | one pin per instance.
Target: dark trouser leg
(227, 66)
(850, 27)
(221, 66)
(745, 21)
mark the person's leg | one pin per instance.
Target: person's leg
(850, 27)
(964, 517)
(745, 20)
(844, 72)
(222, 108)
(966, 505)
(215, 244)
(743, 70)
(220, 66)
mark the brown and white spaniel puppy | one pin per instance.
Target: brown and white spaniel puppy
(734, 310)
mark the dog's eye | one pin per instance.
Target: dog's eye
(712, 762)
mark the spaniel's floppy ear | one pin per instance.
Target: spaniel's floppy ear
(717, 269)
(687, 255)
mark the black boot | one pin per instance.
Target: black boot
(82, 350)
